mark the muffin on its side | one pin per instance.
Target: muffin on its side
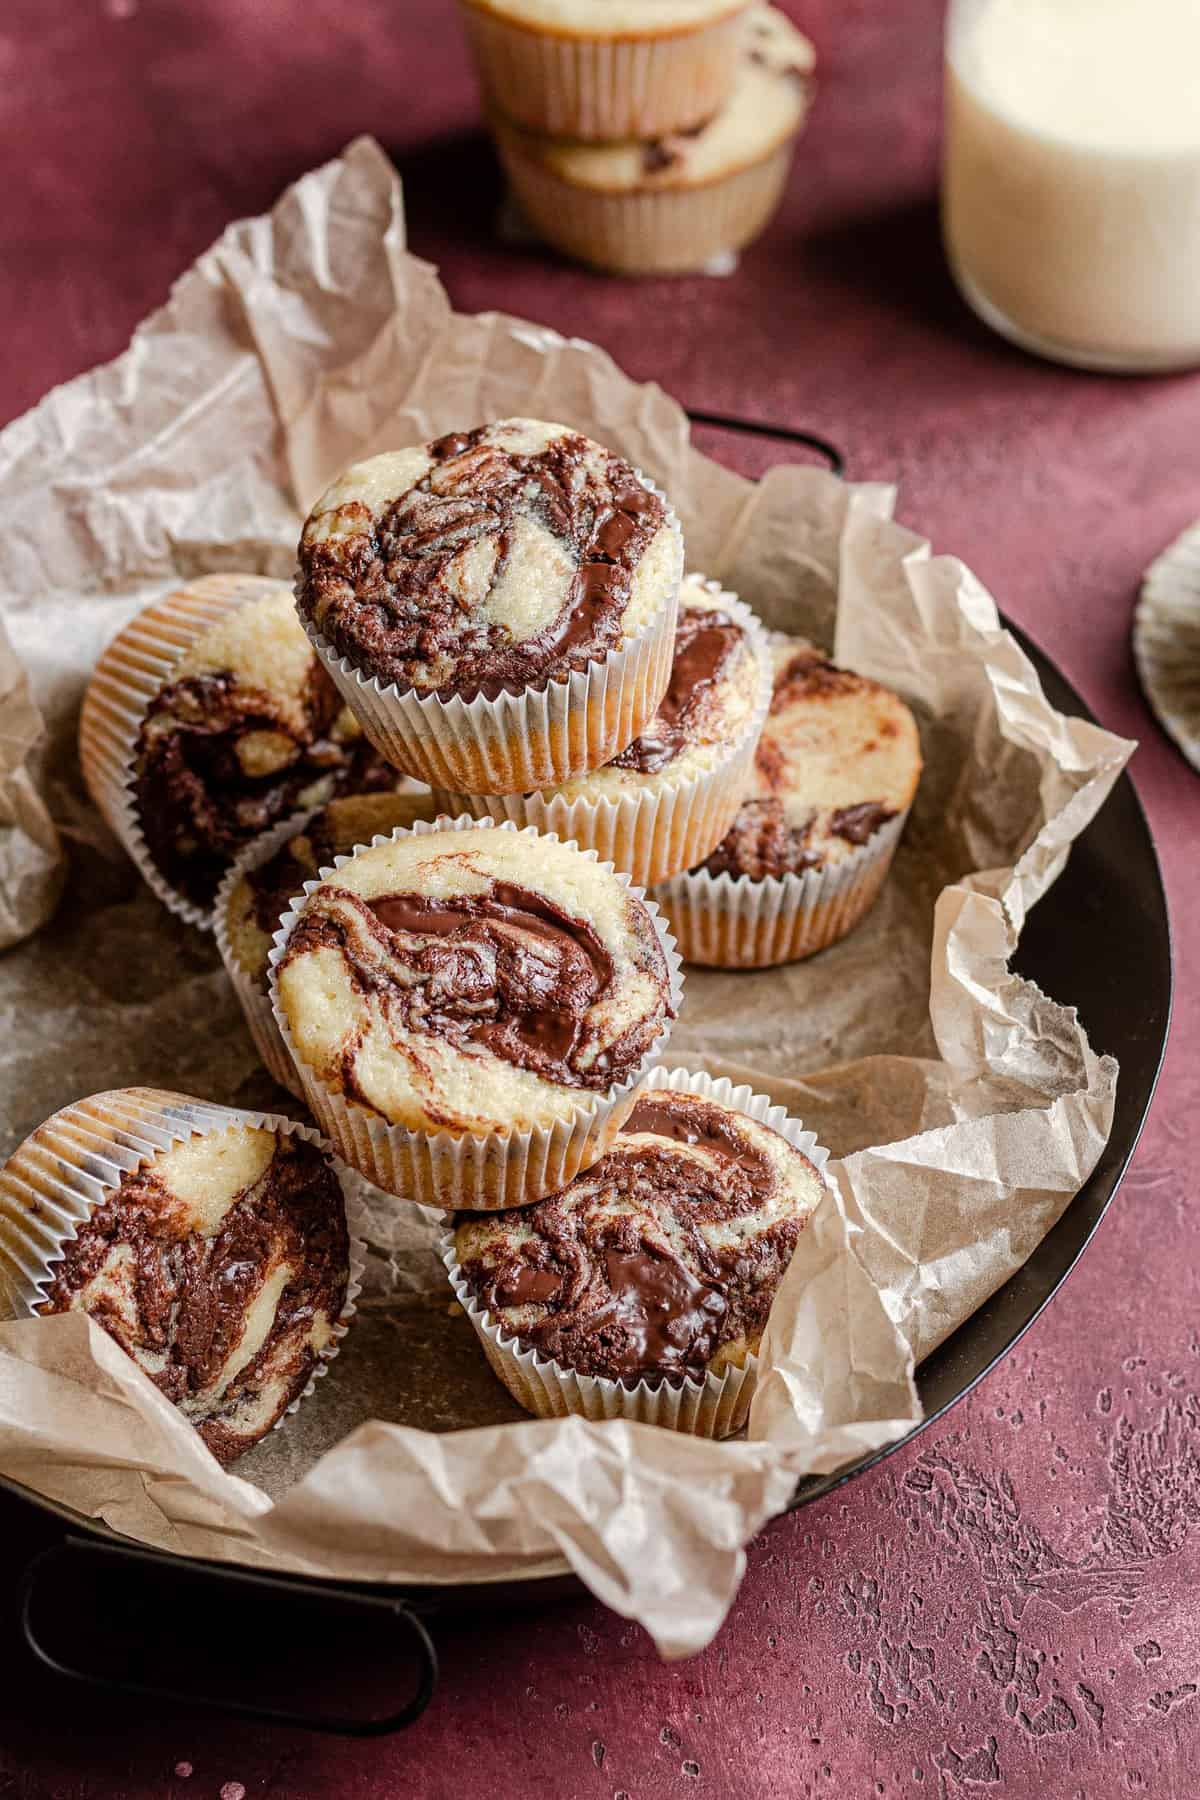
(461, 1000)
(605, 69)
(835, 772)
(497, 606)
(655, 1268)
(209, 719)
(669, 203)
(221, 1264)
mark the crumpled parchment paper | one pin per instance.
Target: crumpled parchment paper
(962, 1106)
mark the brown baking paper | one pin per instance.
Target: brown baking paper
(962, 1106)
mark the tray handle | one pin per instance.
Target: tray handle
(149, 1563)
(790, 434)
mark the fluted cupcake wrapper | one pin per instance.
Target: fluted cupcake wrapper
(715, 1407)
(129, 674)
(537, 738)
(733, 922)
(653, 833)
(53, 1182)
(605, 88)
(651, 230)
(491, 1171)
(253, 993)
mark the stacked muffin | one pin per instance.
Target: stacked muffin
(421, 804)
(643, 139)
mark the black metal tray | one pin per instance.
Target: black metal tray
(1100, 939)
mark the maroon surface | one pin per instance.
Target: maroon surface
(1009, 1608)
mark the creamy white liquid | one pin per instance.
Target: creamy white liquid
(1071, 197)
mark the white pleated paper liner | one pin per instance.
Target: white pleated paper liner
(537, 738)
(735, 922)
(253, 991)
(74, 1162)
(715, 1407)
(664, 826)
(461, 1170)
(606, 88)
(1166, 641)
(140, 660)
(647, 230)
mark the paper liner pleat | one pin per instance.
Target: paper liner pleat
(734, 922)
(253, 994)
(483, 1172)
(663, 826)
(54, 1181)
(130, 672)
(715, 1407)
(605, 88)
(647, 231)
(539, 737)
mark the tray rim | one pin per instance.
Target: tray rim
(552, 1584)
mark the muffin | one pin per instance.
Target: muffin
(211, 1244)
(496, 606)
(672, 203)
(268, 876)
(208, 719)
(469, 1009)
(834, 775)
(642, 1289)
(605, 68)
(670, 796)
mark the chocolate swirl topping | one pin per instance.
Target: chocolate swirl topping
(706, 643)
(386, 591)
(766, 838)
(218, 762)
(186, 1296)
(505, 969)
(630, 1286)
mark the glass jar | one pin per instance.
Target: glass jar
(1071, 176)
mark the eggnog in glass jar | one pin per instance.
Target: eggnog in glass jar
(1071, 184)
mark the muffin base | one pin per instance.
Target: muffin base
(601, 89)
(517, 742)
(734, 922)
(53, 1182)
(648, 231)
(130, 672)
(485, 1172)
(715, 1407)
(654, 834)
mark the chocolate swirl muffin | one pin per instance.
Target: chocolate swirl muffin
(247, 729)
(839, 757)
(471, 981)
(711, 697)
(660, 1262)
(221, 1266)
(487, 561)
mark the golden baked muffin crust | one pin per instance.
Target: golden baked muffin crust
(839, 756)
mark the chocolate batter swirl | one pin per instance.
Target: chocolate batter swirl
(630, 1286)
(198, 805)
(185, 1297)
(388, 590)
(707, 642)
(505, 969)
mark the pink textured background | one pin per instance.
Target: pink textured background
(1009, 1608)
